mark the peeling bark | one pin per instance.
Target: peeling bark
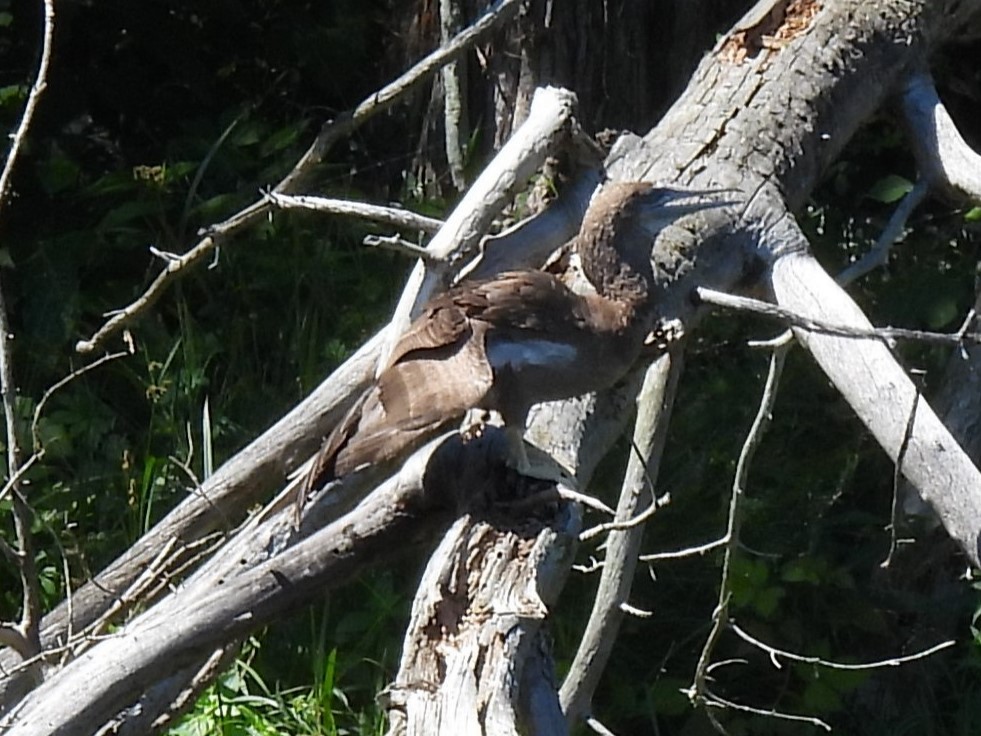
(766, 112)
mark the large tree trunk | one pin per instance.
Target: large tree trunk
(764, 115)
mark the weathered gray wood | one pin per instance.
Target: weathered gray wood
(763, 120)
(220, 504)
(654, 403)
(885, 399)
(223, 500)
(475, 654)
(767, 121)
(547, 128)
(768, 124)
(231, 597)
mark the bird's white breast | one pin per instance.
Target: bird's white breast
(538, 353)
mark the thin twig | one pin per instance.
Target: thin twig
(714, 701)
(878, 254)
(394, 216)
(883, 334)
(620, 526)
(631, 610)
(698, 692)
(637, 495)
(15, 479)
(37, 89)
(593, 566)
(329, 134)
(30, 584)
(398, 245)
(773, 652)
(54, 388)
(897, 476)
(700, 549)
(66, 649)
(598, 727)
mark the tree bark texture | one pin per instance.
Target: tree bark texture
(766, 112)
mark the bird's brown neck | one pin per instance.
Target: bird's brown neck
(614, 259)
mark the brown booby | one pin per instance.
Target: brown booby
(518, 339)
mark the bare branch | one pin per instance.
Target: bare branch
(944, 157)
(547, 125)
(27, 629)
(714, 701)
(37, 89)
(598, 727)
(891, 662)
(630, 523)
(61, 384)
(878, 255)
(880, 392)
(398, 245)
(897, 477)
(394, 216)
(883, 334)
(176, 267)
(634, 611)
(528, 243)
(331, 132)
(700, 549)
(15, 479)
(654, 404)
(698, 692)
(454, 77)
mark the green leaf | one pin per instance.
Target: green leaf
(6, 19)
(247, 134)
(126, 213)
(767, 600)
(820, 697)
(667, 697)
(890, 189)
(48, 578)
(803, 570)
(12, 94)
(973, 214)
(942, 312)
(279, 140)
(217, 206)
(58, 173)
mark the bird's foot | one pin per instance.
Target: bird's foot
(473, 424)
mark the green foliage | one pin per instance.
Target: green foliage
(240, 702)
(890, 189)
(117, 163)
(140, 145)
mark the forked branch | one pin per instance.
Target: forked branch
(23, 636)
(331, 132)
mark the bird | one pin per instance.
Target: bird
(520, 338)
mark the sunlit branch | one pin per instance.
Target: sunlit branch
(698, 692)
(329, 134)
(27, 627)
(883, 334)
(775, 653)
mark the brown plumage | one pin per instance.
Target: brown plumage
(518, 339)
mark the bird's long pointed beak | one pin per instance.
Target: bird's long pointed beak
(662, 206)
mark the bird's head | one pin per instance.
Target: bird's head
(624, 218)
(654, 208)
